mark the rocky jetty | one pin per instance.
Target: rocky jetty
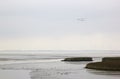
(78, 59)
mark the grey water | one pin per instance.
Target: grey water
(47, 64)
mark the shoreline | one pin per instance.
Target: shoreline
(107, 64)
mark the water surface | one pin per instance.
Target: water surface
(50, 66)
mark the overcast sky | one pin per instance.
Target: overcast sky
(60, 24)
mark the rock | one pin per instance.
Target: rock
(78, 59)
(108, 63)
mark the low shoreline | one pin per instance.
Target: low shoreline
(107, 64)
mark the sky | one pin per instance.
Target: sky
(59, 25)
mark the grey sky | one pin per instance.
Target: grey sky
(53, 24)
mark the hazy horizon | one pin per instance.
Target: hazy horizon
(64, 52)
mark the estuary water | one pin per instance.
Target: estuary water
(48, 65)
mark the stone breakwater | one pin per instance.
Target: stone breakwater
(78, 59)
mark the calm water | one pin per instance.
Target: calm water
(48, 65)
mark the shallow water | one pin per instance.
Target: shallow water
(14, 74)
(57, 70)
(51, 68)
